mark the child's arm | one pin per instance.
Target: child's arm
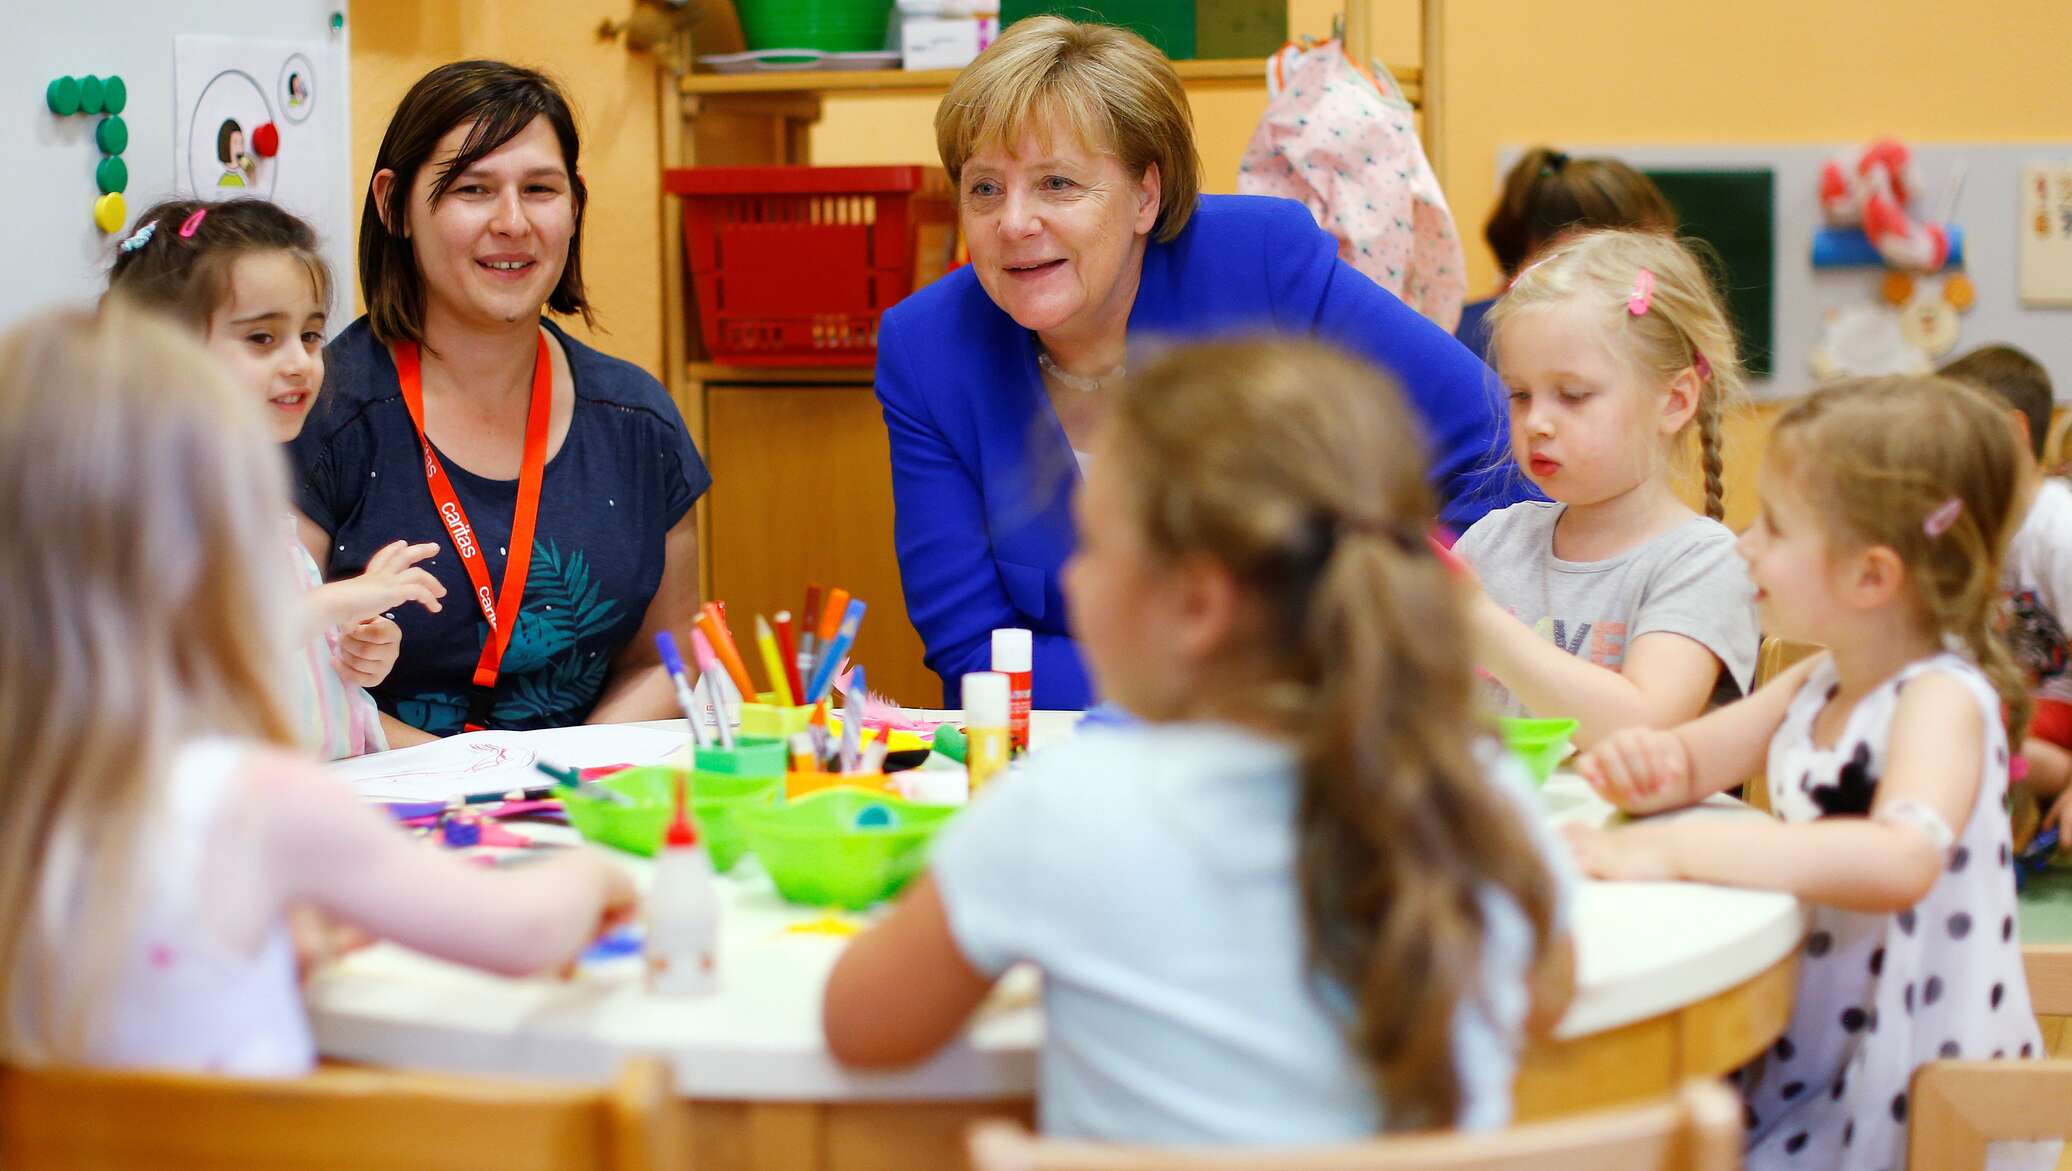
(1646, 770)
(326, 848)
(1666, 678)
(901, 989)
(1883, 863)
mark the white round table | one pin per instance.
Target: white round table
(1673, 980)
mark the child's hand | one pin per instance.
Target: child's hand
(1640, 770)
(618, 902)
(320, 940)
(1639, 853)
(367, 651)
(391, 579)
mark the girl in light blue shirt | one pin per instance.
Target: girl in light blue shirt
(1298, 903)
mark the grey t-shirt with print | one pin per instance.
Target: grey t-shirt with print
(1686, 581)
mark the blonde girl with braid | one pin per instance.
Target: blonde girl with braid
(1612, 601)
(1886, 510)
(1302, 900)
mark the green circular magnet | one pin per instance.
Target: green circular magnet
(62, 95)
(112, 136)
(89, 94)
(112, 175)
(114, 94)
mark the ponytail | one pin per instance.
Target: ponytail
(1398, 831)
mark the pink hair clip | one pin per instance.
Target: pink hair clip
(1943, 517)
(193, 224)
(1702, 367)
(1643, 293)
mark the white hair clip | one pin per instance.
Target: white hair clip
(139, 238)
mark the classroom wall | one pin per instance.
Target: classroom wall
(394, 42)
(1759, 71)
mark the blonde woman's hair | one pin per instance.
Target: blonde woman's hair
(1878, 456)
(142, 602)
(1105, 86)
(1685, 329)
(1299, 469)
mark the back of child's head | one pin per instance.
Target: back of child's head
(1923, 466)
(2011, 375)
(1547, 194)
(179, 259)
(137, 607)
(1661, 312)
(1299, 469)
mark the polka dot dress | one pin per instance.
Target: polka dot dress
(1880, 994)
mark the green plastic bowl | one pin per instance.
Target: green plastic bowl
(832, 26)
(717, 802)
(1541, 744)
(817, 854)
(751, 756)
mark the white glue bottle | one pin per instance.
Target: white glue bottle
(985, 726)
(682, 913)
(1013, 656)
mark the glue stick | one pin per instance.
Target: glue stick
(1012, 656)
(682, 914)
(985, 726)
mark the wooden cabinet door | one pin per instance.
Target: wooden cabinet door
(802, 492)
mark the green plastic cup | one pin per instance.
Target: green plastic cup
(833, 26)
(1540, 743)
(717, 802)
(751, 756)
(843, 847)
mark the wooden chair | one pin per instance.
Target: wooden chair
(1697, 1130)
(1773, 658)
(335, 1118)
(1956, 1108)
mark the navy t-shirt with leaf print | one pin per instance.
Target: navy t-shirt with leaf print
(626, 474)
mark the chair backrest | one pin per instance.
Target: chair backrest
(375, 1120)
(2049, 970)
(1956, 1108)
(1773, 658)
(1699, 1129)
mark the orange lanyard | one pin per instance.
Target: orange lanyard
(494, 605)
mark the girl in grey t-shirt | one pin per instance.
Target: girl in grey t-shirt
(1614, 602)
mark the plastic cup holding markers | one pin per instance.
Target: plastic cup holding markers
(805, 784)
(766, 719)
(717, 802)
(751, 756)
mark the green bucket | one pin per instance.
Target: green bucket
(832, 26)
(1541, 744)
(717, 801)
(827, 850)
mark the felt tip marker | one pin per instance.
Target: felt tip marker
(708, 668)
(672, 661)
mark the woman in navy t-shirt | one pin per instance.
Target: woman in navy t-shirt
(455, 413)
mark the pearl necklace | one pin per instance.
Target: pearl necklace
(1078, 382)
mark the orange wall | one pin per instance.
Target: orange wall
(395, 42)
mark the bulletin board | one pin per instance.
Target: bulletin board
(198, 82)
(1989, 206)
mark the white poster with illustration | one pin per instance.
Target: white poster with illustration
(265, 118)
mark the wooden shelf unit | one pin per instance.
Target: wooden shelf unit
(911, 81)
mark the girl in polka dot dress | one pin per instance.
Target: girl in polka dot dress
(1885, 512)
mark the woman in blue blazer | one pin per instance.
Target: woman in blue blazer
(1071, 149)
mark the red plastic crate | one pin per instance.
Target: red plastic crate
(793, 265)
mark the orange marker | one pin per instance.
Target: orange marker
(729, 656)
(830, 621)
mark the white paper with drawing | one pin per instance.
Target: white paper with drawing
(498, 762)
